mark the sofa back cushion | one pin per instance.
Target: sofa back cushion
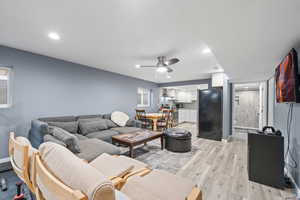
(90, 126)
(71, 127)
(79, 117)
(67, 138)
(106, 116)
(83, 177)
(119, 118)
(58, 119)
(110, 124)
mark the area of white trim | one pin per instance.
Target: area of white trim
(8, 78)
(225, 140)
(294, 183)
(4, 160)
(5, 105)
(142, 91)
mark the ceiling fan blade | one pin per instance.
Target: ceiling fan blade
(169, 70)
(148, 66)
(172, 61)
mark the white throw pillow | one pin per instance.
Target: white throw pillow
(119, 118)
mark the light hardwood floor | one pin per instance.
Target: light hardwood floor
(220, 170)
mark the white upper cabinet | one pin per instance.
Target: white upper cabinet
(184, 96)
(172, 93)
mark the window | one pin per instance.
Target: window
(143, 97)
(4, 87)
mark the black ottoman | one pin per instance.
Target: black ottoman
(178, 140)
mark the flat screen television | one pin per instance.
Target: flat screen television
(287, 79)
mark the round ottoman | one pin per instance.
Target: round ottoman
(178, 140)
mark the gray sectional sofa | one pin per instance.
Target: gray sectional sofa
(93, 132)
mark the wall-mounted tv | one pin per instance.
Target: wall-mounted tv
(287, 79)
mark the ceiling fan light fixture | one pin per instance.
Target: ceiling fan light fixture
(206, 50)
(162, 69)
(53, 36)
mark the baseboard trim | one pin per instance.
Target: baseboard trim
(225, 140)
(294, 184)
(5, 164)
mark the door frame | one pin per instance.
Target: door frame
(263, 103)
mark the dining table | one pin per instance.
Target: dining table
(154, 117)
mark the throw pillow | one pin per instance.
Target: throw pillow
(51, 138)
(119, 118)
(69, 139)
(71, 127)
(87, 127)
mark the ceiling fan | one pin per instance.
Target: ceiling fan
(162, 65)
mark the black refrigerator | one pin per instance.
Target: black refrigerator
(210, 114)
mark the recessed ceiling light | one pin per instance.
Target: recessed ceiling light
(137, 66)
(168, 76)
(161, 69)
(206, 50)
(54, 36)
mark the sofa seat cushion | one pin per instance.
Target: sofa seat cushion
(103, 135)
(158, 185)
(73, 172)
(125, 129)
(81, 137)
(92, 148)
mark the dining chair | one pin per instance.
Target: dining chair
(171, 122)
(163, 122)
(141, 116)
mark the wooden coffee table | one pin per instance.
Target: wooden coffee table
(136, 138)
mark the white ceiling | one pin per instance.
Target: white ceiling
(248, 37)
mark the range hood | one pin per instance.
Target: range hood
(165, 92)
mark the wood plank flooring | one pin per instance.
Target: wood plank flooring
(220, 170)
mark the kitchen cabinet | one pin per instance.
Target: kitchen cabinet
(193, 115)
(184, 96)
(187, 115)
(171, 93)
(194, 95)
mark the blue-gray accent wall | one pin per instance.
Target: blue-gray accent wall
(44, 86)
(280, 121)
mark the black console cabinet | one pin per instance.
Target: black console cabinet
(266, 159)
